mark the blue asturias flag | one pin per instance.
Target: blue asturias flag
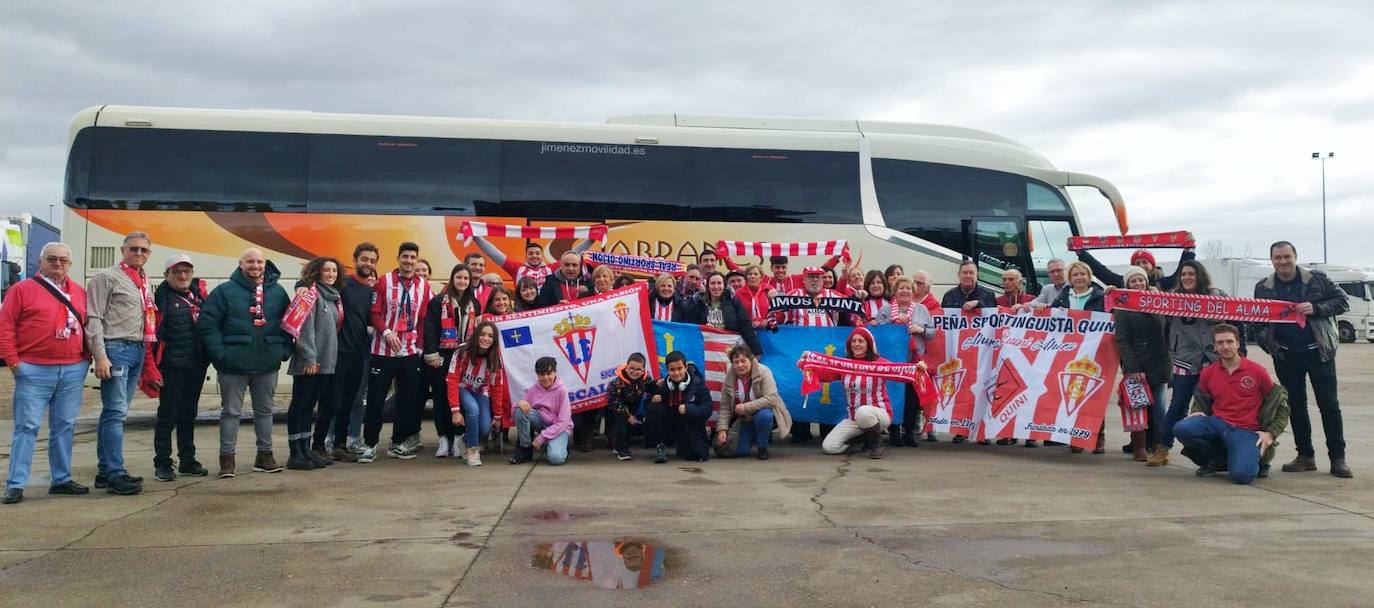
(686, 337)
(516, 336)
(781, 351)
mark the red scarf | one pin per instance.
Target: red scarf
(259, 314)
(1177, 238)
(663, 312)
(1198, 306)
(815, 365)
(448, 325)
(742, 385)
(149, 308)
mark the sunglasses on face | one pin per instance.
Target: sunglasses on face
(52, 259)
(132, 249)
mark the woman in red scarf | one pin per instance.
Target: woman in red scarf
(870, 407)
(449, 320)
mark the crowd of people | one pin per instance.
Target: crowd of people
(414, 343)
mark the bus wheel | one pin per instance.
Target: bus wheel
(1347, 332)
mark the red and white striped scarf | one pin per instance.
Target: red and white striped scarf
(404, 321)
(812, 317)
(1176, 239)
(538, 273)
(484, 229)
(763, 249)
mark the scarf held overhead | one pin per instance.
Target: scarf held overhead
(484, 229)
(637, 264)
(764, 250)
(849, 305)
(1221, 308)
(1176, 239)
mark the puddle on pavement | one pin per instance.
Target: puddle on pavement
(562, 515)
(609, 564)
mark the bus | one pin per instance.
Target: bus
(209, 183)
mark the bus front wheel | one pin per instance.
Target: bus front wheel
(1347, 332)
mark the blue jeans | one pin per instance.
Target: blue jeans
(527, 426)
(1179, 403)
(476, 416)
(1209, 439)
(57, 388)
(126, 365)
(759, 430)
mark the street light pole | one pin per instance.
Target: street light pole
(1318, 156)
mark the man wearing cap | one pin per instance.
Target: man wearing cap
(813, 287)
(41, 342)
(181, 359)
(120, 328)
(1142, 259)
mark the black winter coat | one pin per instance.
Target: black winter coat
(736, 319)
(552, 292)
(955, 297)
(1108, 277)
(178, 343)
(1140, 340)
(693, 444)
(233, 342)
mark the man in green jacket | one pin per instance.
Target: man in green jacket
(1238, 413)
(240, 325)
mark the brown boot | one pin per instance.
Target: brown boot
(1138, 447)
(1159, 457)
(226, 466)
(873, 441)
(264, 463)
(1300, 464)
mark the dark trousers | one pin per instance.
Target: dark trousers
(620, 431)
(409, 386)
(306, 393)
(584, 427)
(349, 374)
(662, 425)
(176, 408)
(1291, 370)
(436, 379)
(911, 414)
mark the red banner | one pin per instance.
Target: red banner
(1175, 239)
(1045, 375)
(1221, 308)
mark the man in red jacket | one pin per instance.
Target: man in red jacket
(43, 343)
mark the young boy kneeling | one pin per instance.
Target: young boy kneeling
(624, 400)
(678, 411)
(544, 416)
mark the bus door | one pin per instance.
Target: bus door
(998, 244)
(1048, 240)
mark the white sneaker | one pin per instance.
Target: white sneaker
(357, 446)
(399, 451)
(474, 457)
(367, 455)
(453, 447)
(444, 448)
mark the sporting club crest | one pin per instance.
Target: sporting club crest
(575, 337)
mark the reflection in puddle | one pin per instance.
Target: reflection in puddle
(609, 564)
(554, 515)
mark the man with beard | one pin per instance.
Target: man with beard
(355, 291)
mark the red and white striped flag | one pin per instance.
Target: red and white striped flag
(483, 229)
(718, 343)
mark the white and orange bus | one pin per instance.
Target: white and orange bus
(210, 183)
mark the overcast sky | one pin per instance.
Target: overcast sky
(1205, 115)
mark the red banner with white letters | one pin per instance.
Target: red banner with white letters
(1221, 308)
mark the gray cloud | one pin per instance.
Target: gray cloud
(1157, 97)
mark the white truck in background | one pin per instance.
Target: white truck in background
(1237, 277)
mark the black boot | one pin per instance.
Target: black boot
(298, 460)
(894, 435)
(523, 454)
(909, 437)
